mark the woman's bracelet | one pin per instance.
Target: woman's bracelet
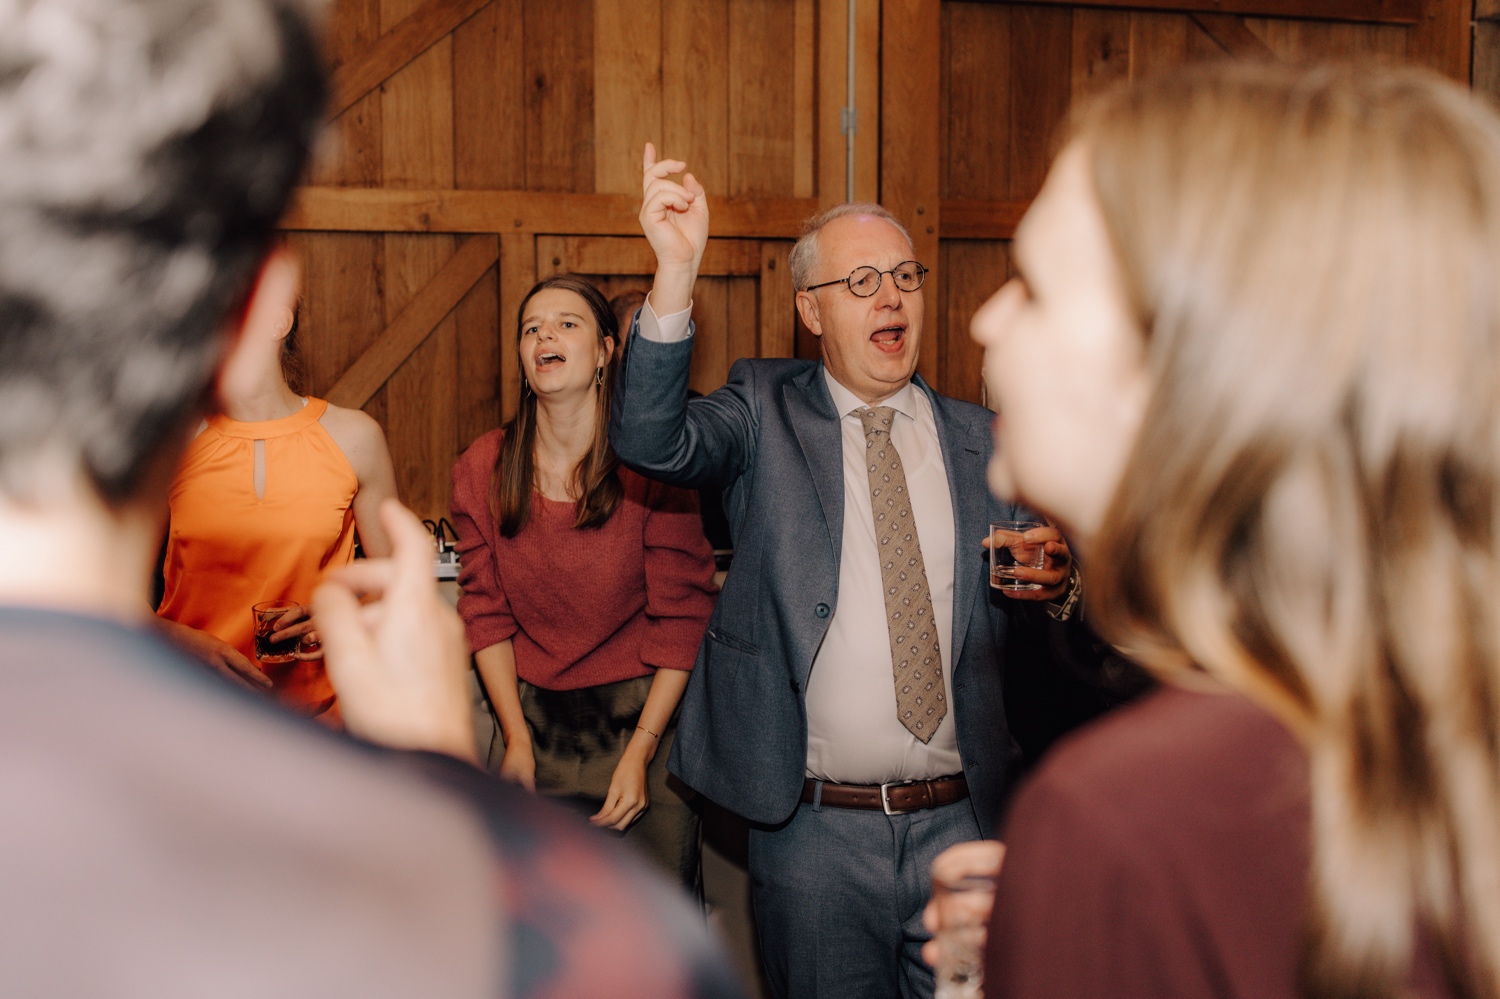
(642, 728)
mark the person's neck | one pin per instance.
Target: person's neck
(271, 399)
(70, 552)
(870, 395)
(565, 429)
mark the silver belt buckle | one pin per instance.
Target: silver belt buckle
(885, 798)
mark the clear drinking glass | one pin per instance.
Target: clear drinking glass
(964, 906)
(272, 616)
(1010, 549)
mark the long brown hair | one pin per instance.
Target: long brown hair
(595, 479)
(1312, 510)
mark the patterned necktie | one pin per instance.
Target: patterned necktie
(916, 660)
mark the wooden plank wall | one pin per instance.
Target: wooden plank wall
(1012, 71)
(481, 144)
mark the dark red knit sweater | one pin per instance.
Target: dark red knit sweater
(584, 607)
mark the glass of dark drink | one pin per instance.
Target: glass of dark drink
(272, 616)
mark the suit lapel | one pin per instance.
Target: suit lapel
(816, 424)
(964, 457)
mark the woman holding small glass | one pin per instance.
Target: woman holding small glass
(267, 498)
(1270, 299)
(586, 587)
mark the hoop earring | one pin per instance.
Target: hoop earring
(525, 386)
(599, 376)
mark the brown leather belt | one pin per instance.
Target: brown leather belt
(893, 799)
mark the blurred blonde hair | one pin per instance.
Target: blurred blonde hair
(1311, 513)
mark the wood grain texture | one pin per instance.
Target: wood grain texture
(778, 306)
(607, 255)
(804, 99)
(1375, 11)
(695, 88)
(832, 67)
(761, 158)
(977, 124)
(517, 275)
(710, 365)
(1041, 60)
(869, 62)
(415, 322)
(489, 100)
(398, 46)
(1101, 50)
(742, 316)
(349, 209)
(909, 143)
(627, 90)
(1158, 42)
(965, 218)
(1229, 32)
(1441, 38)
(476, 323)
(350, 152)
(975, 270)
(558, 55)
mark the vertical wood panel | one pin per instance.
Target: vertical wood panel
(804, 99)
(517, 275)
(760, 128)
(742, 314)
(833, 30)
(975, 269)
(627, 90)
(711, 335)
(1101, 50)
(977, 118)
(351, 153)
(1158, 42)
(477, 327)
(417, 151)
(558, 54)
(868, 17)
(1041, 85)
(910, 145)
(778, 308)
(489, 106)
(695, 88)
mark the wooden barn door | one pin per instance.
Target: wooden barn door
(477, 145)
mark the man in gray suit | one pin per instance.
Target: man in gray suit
(847, 696)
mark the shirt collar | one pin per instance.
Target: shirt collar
(846, 402)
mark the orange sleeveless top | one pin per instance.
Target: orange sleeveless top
(228, 550)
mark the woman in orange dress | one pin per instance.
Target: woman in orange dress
(268, 497)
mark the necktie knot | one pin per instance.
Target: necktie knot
(877, 419)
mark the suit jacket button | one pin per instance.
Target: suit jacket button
(822, 610)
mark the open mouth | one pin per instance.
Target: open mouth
(889, 338)
(549, 360)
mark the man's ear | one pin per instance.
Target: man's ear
(273, 297)
(807, 308)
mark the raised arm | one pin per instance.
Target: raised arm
(652, 428)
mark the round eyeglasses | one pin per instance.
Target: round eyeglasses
(865, 281)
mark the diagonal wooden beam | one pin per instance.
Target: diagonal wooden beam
(412, 35)
(1231, 34)
(407, 332)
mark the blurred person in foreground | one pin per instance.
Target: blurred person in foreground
(1270, 299)
(167, 833)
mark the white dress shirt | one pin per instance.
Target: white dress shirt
(853, 734)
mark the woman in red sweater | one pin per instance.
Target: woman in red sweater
(586, 588)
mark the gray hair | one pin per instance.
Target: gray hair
(147, 148)
(804, 258)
